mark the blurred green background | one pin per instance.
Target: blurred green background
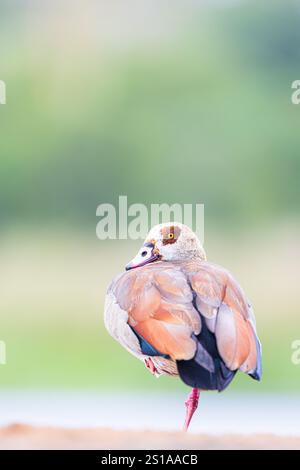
(185, 102)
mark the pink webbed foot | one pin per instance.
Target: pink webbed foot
(150, 365)
(191, 406)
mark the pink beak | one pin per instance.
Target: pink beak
(145, 255)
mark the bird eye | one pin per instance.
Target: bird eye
(171, 236)
(144, 253)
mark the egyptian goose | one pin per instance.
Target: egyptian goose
(182, 315)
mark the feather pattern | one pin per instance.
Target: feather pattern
(193, 313)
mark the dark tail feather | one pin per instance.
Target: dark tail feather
(206, 370)
(197, 376)
(257, 374)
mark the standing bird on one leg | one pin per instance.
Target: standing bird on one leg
(182, 315)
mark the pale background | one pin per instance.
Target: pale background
(164, 102)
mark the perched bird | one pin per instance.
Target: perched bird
(182, 315)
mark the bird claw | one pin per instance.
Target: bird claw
(149, 364)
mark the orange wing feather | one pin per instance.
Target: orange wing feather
(159, 305)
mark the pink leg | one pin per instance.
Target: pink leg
(191, 406)
(150, 365)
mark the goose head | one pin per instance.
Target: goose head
(171, 241)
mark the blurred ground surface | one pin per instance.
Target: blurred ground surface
(27, 437)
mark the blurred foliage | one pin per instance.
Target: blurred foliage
(205, 116)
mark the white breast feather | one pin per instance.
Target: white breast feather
(115, 320)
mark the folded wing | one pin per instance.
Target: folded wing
(159, 304)
(229, 316)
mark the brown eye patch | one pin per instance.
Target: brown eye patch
(170, 234)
